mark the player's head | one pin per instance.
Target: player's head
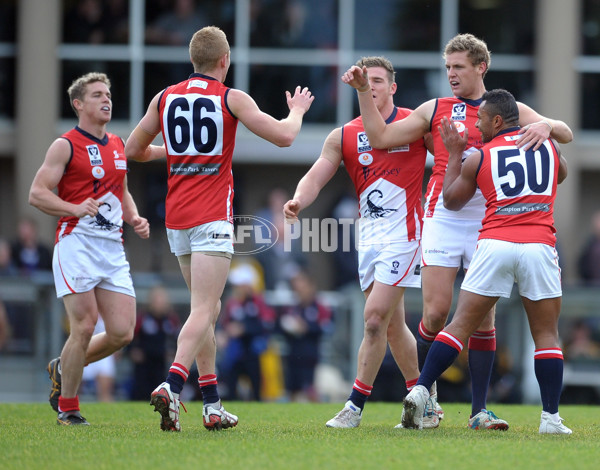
(78, 88)
(207, 48)
(381, 79)
(498, 111)
(378, 61)
(476, 49)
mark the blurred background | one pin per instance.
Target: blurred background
(546, 52)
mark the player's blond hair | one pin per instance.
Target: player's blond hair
(78, 88)
(378, 61)
(476, 49)
(207, 46)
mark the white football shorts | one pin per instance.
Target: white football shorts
(449, 243)
(80, 263)
(498, 264)
(214, 236)
(392, 264)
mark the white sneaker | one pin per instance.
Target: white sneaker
(433, 395)
(349, 417)
(552, 424)
(486, 419)
(216, 418)
(431, 419)
(414, 407)
(167, 404)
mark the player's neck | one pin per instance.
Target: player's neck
(476, 93)
(97, 130)
(387, 110)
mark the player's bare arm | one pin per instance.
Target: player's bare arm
(460, 180)
(131, 216)
(380, 134)
(279, 132)
(41, 193)
(317, 177)
(138, 146)
(537, 128)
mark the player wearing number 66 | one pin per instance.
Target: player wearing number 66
(516, 244)
(198, 119)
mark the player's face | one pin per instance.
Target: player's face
(380, 86)
(464, 78)
(97, 102)
(485, 124)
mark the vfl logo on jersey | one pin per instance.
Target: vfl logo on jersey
(459, 112)
(98, 172)
(94, 154)
(362, 143)
(365, 159)
(395, 266)
(373, 210)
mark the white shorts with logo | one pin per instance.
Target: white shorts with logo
(449, 242)
(80, 263)
(212, 236)
(393, 264)
(498, 264)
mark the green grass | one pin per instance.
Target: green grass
(291, 436)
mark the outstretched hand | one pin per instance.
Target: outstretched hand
(453, 141)
(302, 99)
(291, 209)
(357, 78)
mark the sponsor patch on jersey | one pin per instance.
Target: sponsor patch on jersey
(362, 143)
(193, 169)
(460, 127)
(459, 112)
(197, 84)
(365, 159)
(121, 164)
(402, 148)
(94, 154)
(98, 172)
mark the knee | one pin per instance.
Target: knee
(120, 339)
(434, 320)
(375, 324)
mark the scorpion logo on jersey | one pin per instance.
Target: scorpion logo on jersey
(101, 221)
(374, 211)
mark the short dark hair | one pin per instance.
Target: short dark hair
(500, 102)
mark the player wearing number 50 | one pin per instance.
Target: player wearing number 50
(516, 244)
(198, 119)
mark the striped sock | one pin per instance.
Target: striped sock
(424, 341)
(548, 366)
(442, 354)
(68, 404)
(208, 387)
(360, 393)
(410, 384)
(482, 350)
(178, 374)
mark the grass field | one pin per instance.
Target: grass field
(291, 436)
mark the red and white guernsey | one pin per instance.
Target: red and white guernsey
(520, 189)
(199, 134)
(388, 184)
(464, 115)
(97, 169)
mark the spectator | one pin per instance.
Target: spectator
(153, 345)
(28, 254)
(245, 326)
(7, 267)
(176, 27)
(303, 326)
(101, 374)
(277, 262)
(581, 345)
(83, 23)
(589, 259)
(4, 326)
